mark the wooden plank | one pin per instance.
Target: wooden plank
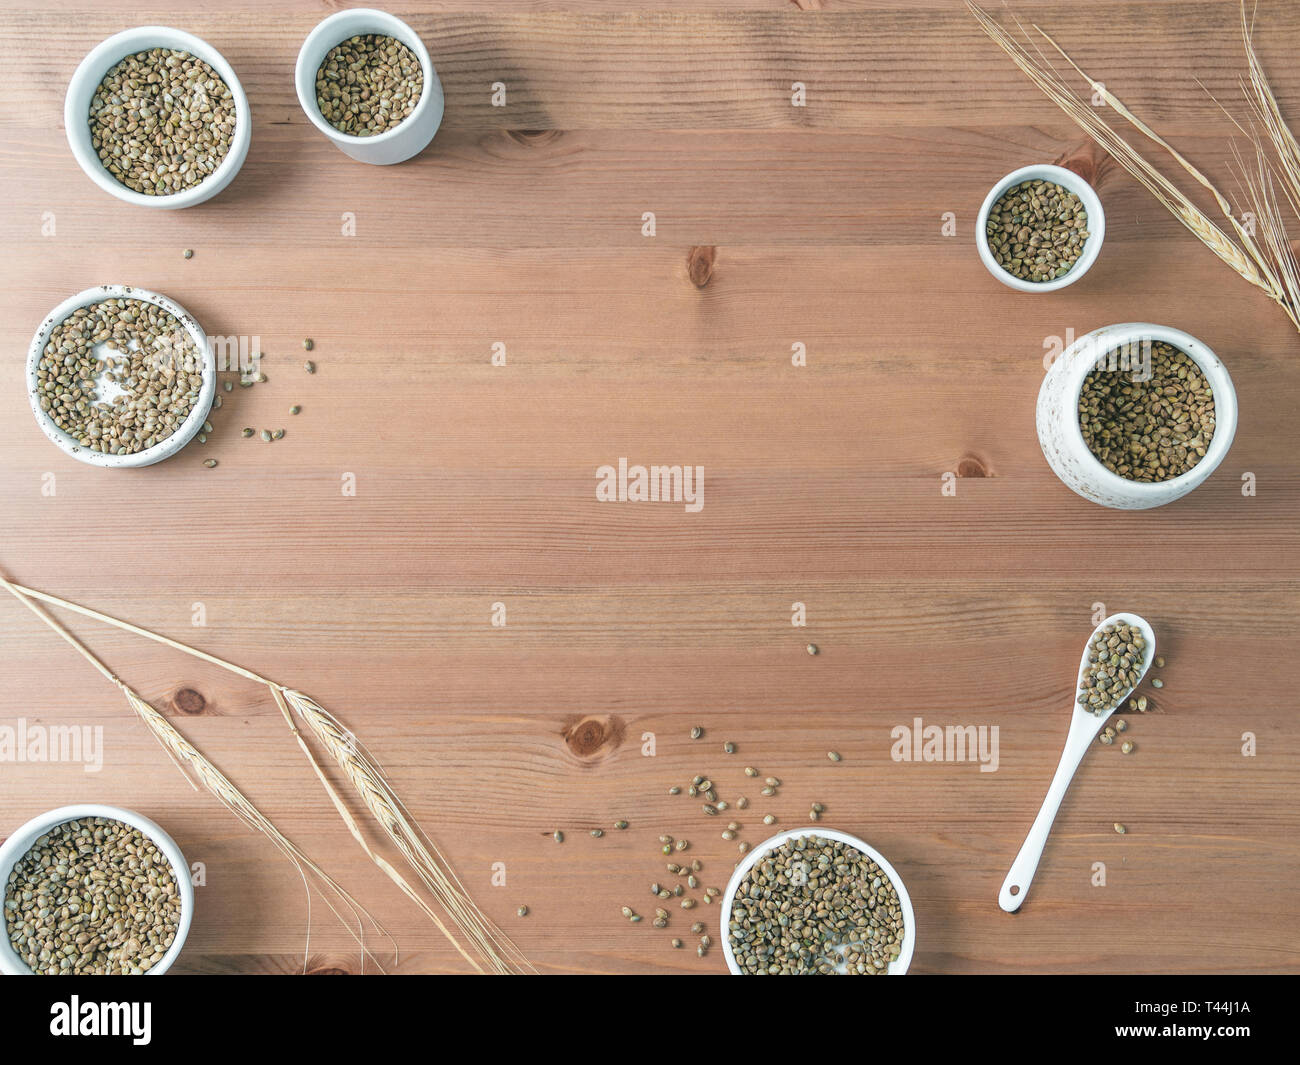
(476, 483)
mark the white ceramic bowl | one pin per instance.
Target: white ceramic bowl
(896, 968)
(163, 449)
(20, 842)
(1061, 438)
(413, 134)
(1091, 247)
(81, 90)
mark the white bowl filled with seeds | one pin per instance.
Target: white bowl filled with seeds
(1040, 228)
(817, 901)
(1136, 415)
(120, 376)
(157, 117)
(93, 890)
(364, 78)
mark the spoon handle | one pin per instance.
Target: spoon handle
(1016, 886)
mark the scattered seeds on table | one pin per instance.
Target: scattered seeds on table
(750, 771)
(712, 811)
(1147, 430)
(266, 435)
(597, 832)
(228, 386)
(308, 344)
(682, 844)
(688, 904)
(696, 733)
(1156, 682)
(1126, 747)
(620, 825)
(697, 927)
(558, 836)
(368, 85)
(161, 121)
(834, 756)
(677, 943)
(309, 366)
(1121, 725)
(1160, 662)
(1142, 704)
(812, 648)
(248, 432)
(295, 409)
(189, 253)
(201, 438)
(769, 819)
(742, 803)
(728, 748)
(210, 463)
(522, 911)
(674, 790)
(1121, 829)
(1037, 230)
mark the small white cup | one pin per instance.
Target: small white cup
(81, 90)
(896, 968)
(21, 841)
(1061, 438)
(413, 134)
(1067, 179)
(164, 448)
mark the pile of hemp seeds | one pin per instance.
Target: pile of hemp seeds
(368, 85)
(161, 121)
(1037, 230)
(1148, 430)
(151, 376)
(92, 896)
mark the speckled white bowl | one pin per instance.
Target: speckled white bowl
(21, 840)
(896, 968)
(163, 449)
(81, 90)
(1091, 247)
(409, 137)
(1061, 438)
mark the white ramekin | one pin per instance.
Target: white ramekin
(1062, 439)
(1091, 247)
(896, 968)
(81, 90)
(20, 842)
(413, 134)
(164, 448)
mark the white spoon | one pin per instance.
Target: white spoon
(1084, 727)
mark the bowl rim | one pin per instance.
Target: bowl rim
(112, 50)
(305, 78)
(1068, 179)
(896, 968)
(20, 841)
(1108, 337)
(164, 448)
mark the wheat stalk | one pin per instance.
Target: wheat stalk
(195, 767)
(1262, 266)
(431, 867)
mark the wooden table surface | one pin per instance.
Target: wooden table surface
(775, 225)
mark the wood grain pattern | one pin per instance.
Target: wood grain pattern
(475, 483)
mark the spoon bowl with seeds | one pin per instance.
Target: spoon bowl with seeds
(1117, 657)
